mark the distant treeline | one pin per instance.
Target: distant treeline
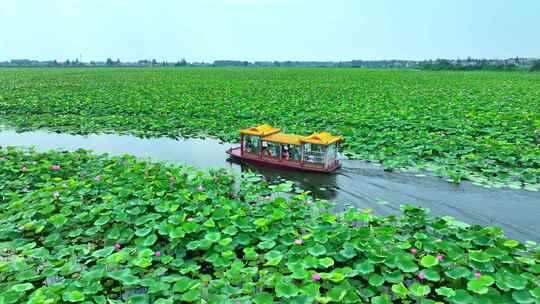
(535, 67)
(482, 64)
(446, 65)
(468, 64)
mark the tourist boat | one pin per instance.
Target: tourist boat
(266, 145)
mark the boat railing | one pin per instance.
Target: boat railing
(314, 157)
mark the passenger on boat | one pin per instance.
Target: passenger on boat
(286, 155)
(265, 149)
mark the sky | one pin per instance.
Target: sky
(267, 30)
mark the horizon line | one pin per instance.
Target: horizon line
(254, 61)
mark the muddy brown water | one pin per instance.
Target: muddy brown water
(361, 184)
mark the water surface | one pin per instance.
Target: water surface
(361, 184)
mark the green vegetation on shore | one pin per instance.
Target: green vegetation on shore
(82, 228)
(480, 126)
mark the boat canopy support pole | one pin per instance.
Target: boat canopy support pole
(325, 156)
(336, 152)
(242, 144)
(260, 147)
(301, 154)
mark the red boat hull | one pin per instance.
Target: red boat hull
(285, 164)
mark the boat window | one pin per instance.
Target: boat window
(294, 152)
(271, 149)
(290, 152)
(332, 152)
(251, 144)
(313, 153)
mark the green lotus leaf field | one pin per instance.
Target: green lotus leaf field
(478, 126)
(77, 227)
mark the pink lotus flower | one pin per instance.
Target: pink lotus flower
(97, 178)
(190, 219)
(477, 275)
(117, 246)
(298, 242)
(56, 194)
(315, 277)
(421, 276)
(55, 167)
(157, 253)
(440, 257)
(24, 169)
(200, 188)
(3, 158)
(414, 250)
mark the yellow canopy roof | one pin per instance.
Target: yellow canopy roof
(261, 130)
(289, 139)
(322, 138)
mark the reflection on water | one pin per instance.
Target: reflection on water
(361, 184)
(320, 185)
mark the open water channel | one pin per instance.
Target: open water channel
(361, 184)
